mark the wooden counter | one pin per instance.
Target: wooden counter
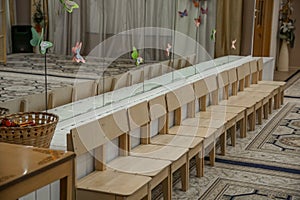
(24, 169)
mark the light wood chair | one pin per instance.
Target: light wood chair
(158, 111)
(207, 89)
(34, 103)
(13, 106)
(257, 79)
(105, 84)
(85, 89)
(233, 98)
(269, 92)
(191, 126)
(138, 116)
(136, 76)
(60, 96)
(155, 70)
(121, 81)
(107, 181)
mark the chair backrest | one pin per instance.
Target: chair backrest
(136, 76)
(121, 81)
(190, 60)
(138, 117)
(60, 96)
(13, 106)
(94, 135)
(260, 67)
(82, 90)
(176, 99)
(233, 80)
(158, 111)
(155, 70)
(105, 85)
(223, 83)
(203, 88)
(34, 103)
(254, 72)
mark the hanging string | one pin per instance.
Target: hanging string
(173, 36)
(145, 5)
(197, 32)
(103, 73)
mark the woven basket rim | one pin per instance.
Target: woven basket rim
(11, 115)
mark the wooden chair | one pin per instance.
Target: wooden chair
(60, 96)
(194, 127)
(136, 76)
(105, 85)
(257, 79)
(246, 101)
(138, 116)
(268, 91)
(158, 112)
(13, 106)
(121, 81)
(82, 90)
(109, 178)
(34, 103)
(155, 70)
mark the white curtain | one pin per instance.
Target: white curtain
(97, 20)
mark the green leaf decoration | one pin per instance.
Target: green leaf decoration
(69, 5)
(36, 37)
(135, 54)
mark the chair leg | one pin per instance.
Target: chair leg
(266, 110)
(223, 143)
(243, 127)
(199, 165)
(185, 176)
(212, 156)
(259, 117)
(233, 135)
(167, 187)
(270, 106)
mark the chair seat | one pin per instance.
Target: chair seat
(208, 123)
(177, 140)
(137, 165)
(109, 181)
(238, 101)
(216, 115)
(170, 153)
(280, 83)
(209, 134)
(264, 88)
(227, 109)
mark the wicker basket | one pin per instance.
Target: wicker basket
(39, 135)
(3, 111)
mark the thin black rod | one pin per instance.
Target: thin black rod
(174, 39)
(46, 83)
(197, 32)
(145, 10)
(103, 73)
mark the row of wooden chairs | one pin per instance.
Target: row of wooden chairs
(84, 89)
(173, 128)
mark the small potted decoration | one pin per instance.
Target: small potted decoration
(286, 34)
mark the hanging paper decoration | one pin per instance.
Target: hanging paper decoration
(183, 14)
(197, 21)
(196, 3)
(213, 35)
(168, 49)
(76, 53)
(69, 5)
(204, 11)
(233, 44)
(136, 57)
(37, 40)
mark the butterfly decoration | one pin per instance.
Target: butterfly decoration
(204, 11)
(197, 21)
(196, 3)
(213, 35)
(136, 57)
(168, 49)
(76, 53)
(69, 5)
(183, 14)
(233, 44)
(37, 40)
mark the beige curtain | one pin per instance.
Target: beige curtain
(229, 27)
